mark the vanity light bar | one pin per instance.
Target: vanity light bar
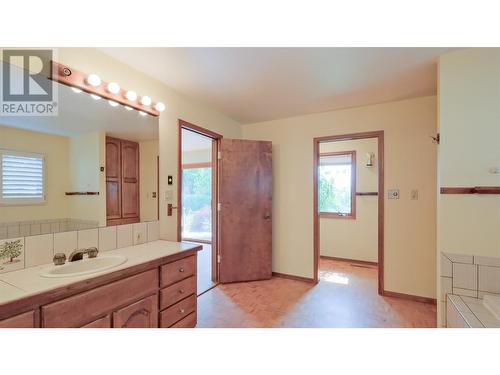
(93, 85)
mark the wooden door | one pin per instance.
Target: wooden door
(142, 314)
(113, 179)
(245, 216)
(130, 180)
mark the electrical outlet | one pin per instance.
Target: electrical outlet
(414, 195)
(393, 194)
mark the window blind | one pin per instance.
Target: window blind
(22, 176)
(335, 159)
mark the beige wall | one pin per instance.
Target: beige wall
(469, 124)
(410, 163)
(55, 149)
(354, 239)
(148, 154)
(91, 60)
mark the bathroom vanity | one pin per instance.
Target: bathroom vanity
(154, 288)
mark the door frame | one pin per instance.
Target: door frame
(379, 134)
(182, 124)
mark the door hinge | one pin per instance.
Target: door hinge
(218, 258)
(219, 206)
(219, 155)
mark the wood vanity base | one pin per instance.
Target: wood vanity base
(156, 294)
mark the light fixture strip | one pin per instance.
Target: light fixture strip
(74, 78)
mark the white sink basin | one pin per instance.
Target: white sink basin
(492, 303)
(85, 266)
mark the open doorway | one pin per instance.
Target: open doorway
(197, 219)
(349, 208)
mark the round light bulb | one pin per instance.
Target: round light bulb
(146, 100)
(94, 80)
(131, 95)
(160, 107)
(142, 113)
(76, 89)
(128, 108)
(112, 103)
(113, 88)
(95, 97)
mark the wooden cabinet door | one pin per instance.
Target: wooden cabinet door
(100, 323)
(113, 179)
(25, 320)
(142, 314)
(245, 191)
(130, 179)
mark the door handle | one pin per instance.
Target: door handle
(267, 216)
(170, 208)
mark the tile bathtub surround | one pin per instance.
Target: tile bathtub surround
(468, 276)
(40, 249)
(11, 254)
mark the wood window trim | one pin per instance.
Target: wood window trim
(380, 197)
(336, 215)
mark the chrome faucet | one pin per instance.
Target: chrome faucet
(79, 253)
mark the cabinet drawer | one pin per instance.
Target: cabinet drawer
(88, 306)
(174, 293)
(188, 322)
(178, 311)
(100, 323)
(178, 270)
(25, 320)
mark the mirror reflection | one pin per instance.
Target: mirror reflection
(91, 165)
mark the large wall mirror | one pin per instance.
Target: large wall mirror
(92, 165)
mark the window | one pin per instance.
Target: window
(197, 201)
(22, 177)
(337, 184)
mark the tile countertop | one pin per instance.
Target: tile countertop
(26, 282)
(474, 312)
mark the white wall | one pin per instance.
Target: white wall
(354, 238)
(410, 163)
(469, 124)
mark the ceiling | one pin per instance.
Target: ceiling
(258, 84)
(79, 113)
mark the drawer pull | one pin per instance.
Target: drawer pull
(181, 269)
(181, 291)
(182, 311)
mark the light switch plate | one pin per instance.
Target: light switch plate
(414, 195)
(393, 194)
(169, 195)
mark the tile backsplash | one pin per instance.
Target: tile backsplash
(34, 250)
(35, 227)
(468, 276)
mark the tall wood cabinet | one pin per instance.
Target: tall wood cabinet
(122, 181)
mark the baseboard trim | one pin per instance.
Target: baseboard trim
(350, 260)
(388, 293)
(293, 277)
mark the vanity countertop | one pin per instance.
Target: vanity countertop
(25, 283)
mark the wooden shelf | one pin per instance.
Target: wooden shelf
(471, 190)
(82, 193)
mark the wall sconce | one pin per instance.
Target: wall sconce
(370, 158)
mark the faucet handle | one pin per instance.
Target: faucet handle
(92, 252)
(59, 259)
